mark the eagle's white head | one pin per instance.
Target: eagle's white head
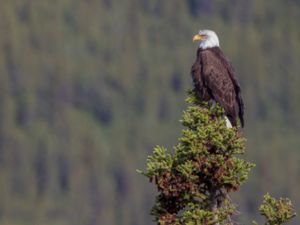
(207, 39)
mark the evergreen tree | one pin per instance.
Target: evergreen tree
(194, 182)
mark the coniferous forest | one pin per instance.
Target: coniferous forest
(88, 88)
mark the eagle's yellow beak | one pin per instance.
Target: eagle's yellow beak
(197, 37)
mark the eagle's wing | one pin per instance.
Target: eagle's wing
(198, 80)
(236, 84)
(219, 81)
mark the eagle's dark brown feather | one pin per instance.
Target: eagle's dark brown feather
(214, 78)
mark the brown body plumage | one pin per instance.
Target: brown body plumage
(214, 79)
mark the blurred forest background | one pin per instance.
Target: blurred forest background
(88, 87)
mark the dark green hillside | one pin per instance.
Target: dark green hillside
(87, 88)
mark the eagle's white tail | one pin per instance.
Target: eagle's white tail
(212, 105)
(228, 124)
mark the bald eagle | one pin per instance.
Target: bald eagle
(214, 78)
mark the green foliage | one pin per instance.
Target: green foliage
(195, 215)
(276, 211)
(158, 162)
(203, 169)
(194, 182)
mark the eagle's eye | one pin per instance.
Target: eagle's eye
(204, 36)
